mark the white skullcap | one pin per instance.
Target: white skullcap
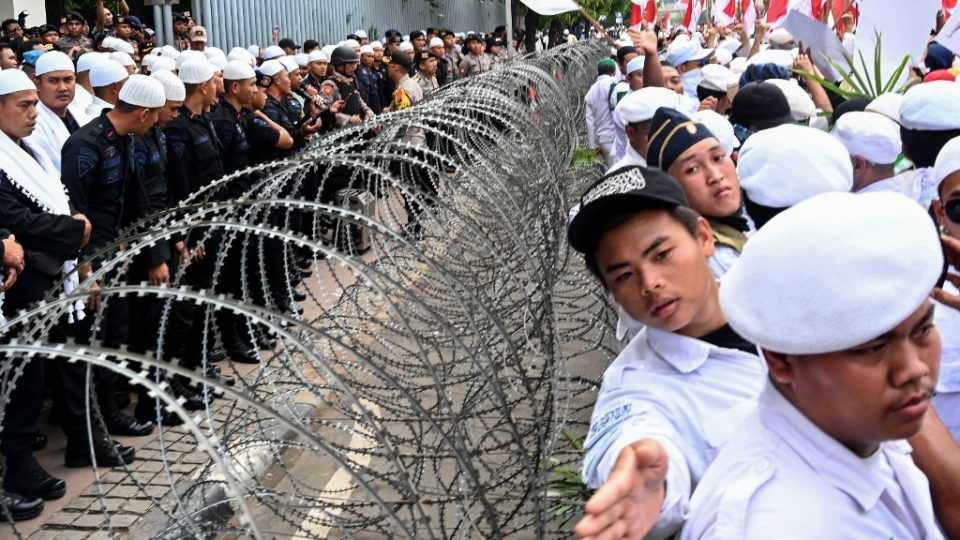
(271, 67)
(254, 51)
(327, 50)
(772, 56)
(302, 59)
(173, 88)
(641, 105)
(169, 52)
(87, 60)
(142, 91)
(106, 73)
(366, 49)
(14, 80)
(162, 63)
(635, 65)
(318, 56)
(148, 60)
(377, 45)
(723, 56)
(801, 104)
(241, 56)
(738, 65)
(122, 58)
(780, 36)
(360, 34)
(237, 70)
(731, 45)
(238, 50)
(352, 43)
(435, 42)
(218, 62)
(405, 46)
(190, 56)
(680, 52)
(718, 78)
(273, 51)
(869, 135)
(53, 61)
(107, 42)
(210, 52)
(720, 127)
(931, 106)
(289, 63)
(888, 105)
(196, 72)
(788, 164)
(120, 45)
(948, 160)
(833, 272)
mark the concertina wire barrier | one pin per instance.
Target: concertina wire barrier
(432, 371)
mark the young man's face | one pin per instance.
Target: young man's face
(123, 31)
(377, 55)
(419, 43)
(347, 69)
(8, 58)
(318, 70)
(449, 41)
(657, 270)
(56, 89)
(74, 28)
(366, 60)
(709, 179)
(475, 47)
(672, 80)
(429, 67)
(244, 90)
(635, 80)
(51, 37)
(180, 27)
(13, 30)
(18, 113)
(874, 392)
(168, 112)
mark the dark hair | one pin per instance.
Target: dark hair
(192, 87)
(922, 147)
(704, 93)
(126, 108)
(687, 217)
(8, 22)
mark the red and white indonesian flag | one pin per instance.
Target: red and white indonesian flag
(724, 12)
(948, 6)
(778, 10)
(694, 9)
(748, 14)
(551, 7)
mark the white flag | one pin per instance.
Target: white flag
(551, 7)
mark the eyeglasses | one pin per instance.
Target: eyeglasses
(952, 210)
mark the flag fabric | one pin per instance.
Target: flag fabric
(643, 11)
(694, 9)
(636, 14)
(840, 7)
(650, 13)
(778, 10)
(551, 7)
(724, 12)
(748, 15)
(948, 6)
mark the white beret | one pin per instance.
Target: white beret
(801, 104)
(196, 72)
(163, 63)
(931, 106)
(318, 56)
(173, 88)
(888, 105)
(405, 46)
(720, 127)
(377, 45)
(238, 70)
(680, 51)
(218, 62)
(272, 52)
(435, 42)
(302, 59)
(723, 57)
(352, 43)
(14, 80)
(87, 60)
(271, 67)
(289, 63)
(772, 56)
(948, 161)
(122, 58)
(780, 36)
(738, 65)
(871, 136)
(106, 73)
(833, 272)
(635, 65)
(360, 34)
(143, 91)
(718, 78)
(53, 61)
(366, 49)
(640, 106)
(254, 51)
(788, 164)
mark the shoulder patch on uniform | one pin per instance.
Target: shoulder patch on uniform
(179, 147)
(87, 159)
(261, 122)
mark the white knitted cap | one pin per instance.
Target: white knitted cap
(237, 70)
(318, 56)
(122, 58)
(435, 42)
(271, 67)
(289, 63)
(302, 59)
(173, 88)
(169, 52)
(352, 43)
(366, 49)
(254, 51)
(143, 91)
(87, 60)
(241, 56)
(14, 80)
(360, 34)
(162, 63)
(871, 135)
(53, 61)
(106, 73)
(210, 52)
(196, 72)
(376, 45)
(218, 62)
(272, 52)
(405, 46)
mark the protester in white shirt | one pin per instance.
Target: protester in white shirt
(842, 316)
(599, 115)
(634, 115)
(57, 117)
(107, 78)
(874, 144)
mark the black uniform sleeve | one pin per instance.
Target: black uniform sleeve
(39, 231)
(78, 170)
(178, 164)
(260, 134)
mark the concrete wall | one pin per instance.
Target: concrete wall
(37, 9)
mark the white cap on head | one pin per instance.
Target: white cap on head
(931, 106)
(254, 51)
(731, 45)
(888, 105)
(435, 42)
(302, 59)
(772, 56)
(14, 80)
(366, 49)
(218, 62)
(142, 91)
(718, 78)
(869, 135)
(210, 52)
(360, 34)
(162, 63)
(87, 60)
(173, 88)
(53, 61)
(788, 164)
(948, 161)
(801, 104)
(352, 43)
(122, 58)
(680, 52)
(120, 45)
(328, 51)
(723, 57)
(289, 63)
(780, 36)
(237, 70)
(241, 56)
(720, 127)
(833, 272)
(196, 72)
(169, 52)
(738, 65)
(376, 45)
(273, 51)
(106, 73)
(405, 46)
(318, 56)
(147, 61)
(271, 67)
(108, 42)
(641, 105)
(190, 56)
(635, 65)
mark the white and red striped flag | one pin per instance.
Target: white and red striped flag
(778, 10)
(694, 9)
(948, 7)
(724, 12)
(748, 15)
(643, 11)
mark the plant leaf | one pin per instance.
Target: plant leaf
(827, 84)
(877, 59)
(896, 75)
(862, 89)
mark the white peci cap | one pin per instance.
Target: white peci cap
(14, 80)
(948, 161)
(302, 59)
(352, 43)
(641, 105)
(173, 88)
(53, 61)
(720, 127)
(318, 56)
(405, 46)
(272, 52)
(271, 67)
(163, 63)
(718, 78)
(869, 135)
(190, 56)
(289, 63)
(635, 65)
(237, 70)
(196, 72)
(87, 60)
(435, 42)
(218, 62)
(888, 105)
(360, 34)
(366, 49)
(122, 58)
(931, 106)
(254, 51)
(376, 45)
(106, 73)
(801, 104)
(142, 91)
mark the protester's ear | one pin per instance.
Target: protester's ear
(779, 365)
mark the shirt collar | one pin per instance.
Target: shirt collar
(888, 184)
(858, 477)
(685, 354)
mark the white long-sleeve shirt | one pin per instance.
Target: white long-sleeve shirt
(598, 113)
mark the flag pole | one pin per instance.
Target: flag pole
(509, 25)
(596, 25)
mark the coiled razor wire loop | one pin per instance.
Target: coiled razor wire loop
(423, 390)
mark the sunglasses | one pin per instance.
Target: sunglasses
(952, 210)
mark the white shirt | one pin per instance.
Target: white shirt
(673, 389)
(97, 106)
(896, 184)
(947, 399)
(598, 112)
(782, 477)
(630, 157)
(81, 98)
(621, 91)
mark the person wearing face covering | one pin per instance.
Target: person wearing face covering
(687, 57)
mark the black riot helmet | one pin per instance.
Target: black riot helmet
(343, 55)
